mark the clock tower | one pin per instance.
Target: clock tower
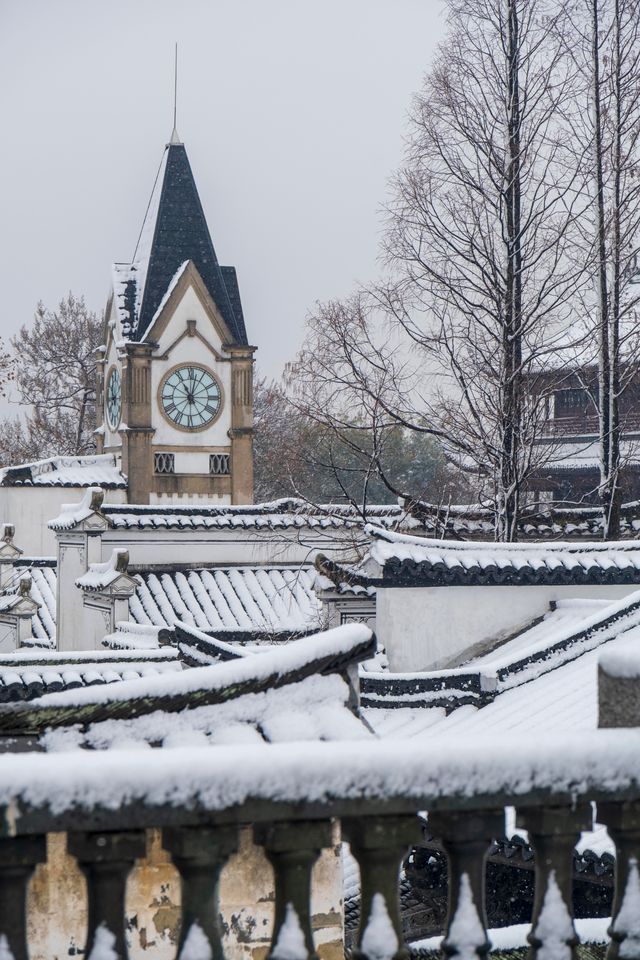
(175, 377)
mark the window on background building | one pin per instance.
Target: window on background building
(574, 402)
(164, 463)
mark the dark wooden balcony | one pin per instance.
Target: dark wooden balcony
(586, 426)
(292, 796)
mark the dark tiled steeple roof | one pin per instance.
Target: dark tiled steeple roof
(177, 231)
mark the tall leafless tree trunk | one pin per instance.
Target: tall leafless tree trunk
(606, 46)
(483, 232)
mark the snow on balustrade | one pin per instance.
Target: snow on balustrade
(402, 775)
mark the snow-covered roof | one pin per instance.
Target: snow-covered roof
(278, 514)
(248, 602)
(545, 522)
(323, 653)
(66, 472)
(399, 559)
(28, 675)
(265, 600)
(543, 681)
(99, 576)
(583, 453)
(199, 648)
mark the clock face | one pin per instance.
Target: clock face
(191, 397)
(114, 398)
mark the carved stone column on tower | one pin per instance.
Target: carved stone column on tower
(100, 362)
(136, 429)
(241, 432)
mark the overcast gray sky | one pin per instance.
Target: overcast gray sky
(292, 112)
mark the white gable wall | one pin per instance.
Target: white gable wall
(190, 350)
(433, 628)
(30, 508)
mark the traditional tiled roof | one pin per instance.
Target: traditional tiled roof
(548, 522)
(27, 675)
(323, 654)
(245, 601)
(198, 648)
(565, 634)
(278, 514)
(174, 232)
(66, 472)
(43, 573)
(400, 560)
(250, 603)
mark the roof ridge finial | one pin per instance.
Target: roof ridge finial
(175, 139)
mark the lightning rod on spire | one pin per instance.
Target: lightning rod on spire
(174, 135)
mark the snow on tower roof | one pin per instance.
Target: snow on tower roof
(174, 231)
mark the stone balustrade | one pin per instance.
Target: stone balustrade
(201, 797)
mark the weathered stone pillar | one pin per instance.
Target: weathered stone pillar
(553, 834)
(106, 860)
(18, 859)
(380, 844)
(622, 820)
(199, 854)
(106, 591)
(465, 838)
(292, 849)
(619, 689)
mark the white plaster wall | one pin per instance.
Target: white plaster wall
(429, 628)
(72, 564)
(191, 350)
(31, 508)
(191, 462)
(189, 498)
(163, 547)
(8, 636)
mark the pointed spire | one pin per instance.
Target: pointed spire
(175, 139)
(175, 230)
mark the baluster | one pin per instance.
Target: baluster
(623, 823)
(380, 844)
(465, 838)
(553, 834)
(199, 854)
(18, 858)
(106, 859)
(292, 849)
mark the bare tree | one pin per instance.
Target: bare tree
(56, 379)
(481, 241)
(483, 232)
(605, 45)
(326, 460)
